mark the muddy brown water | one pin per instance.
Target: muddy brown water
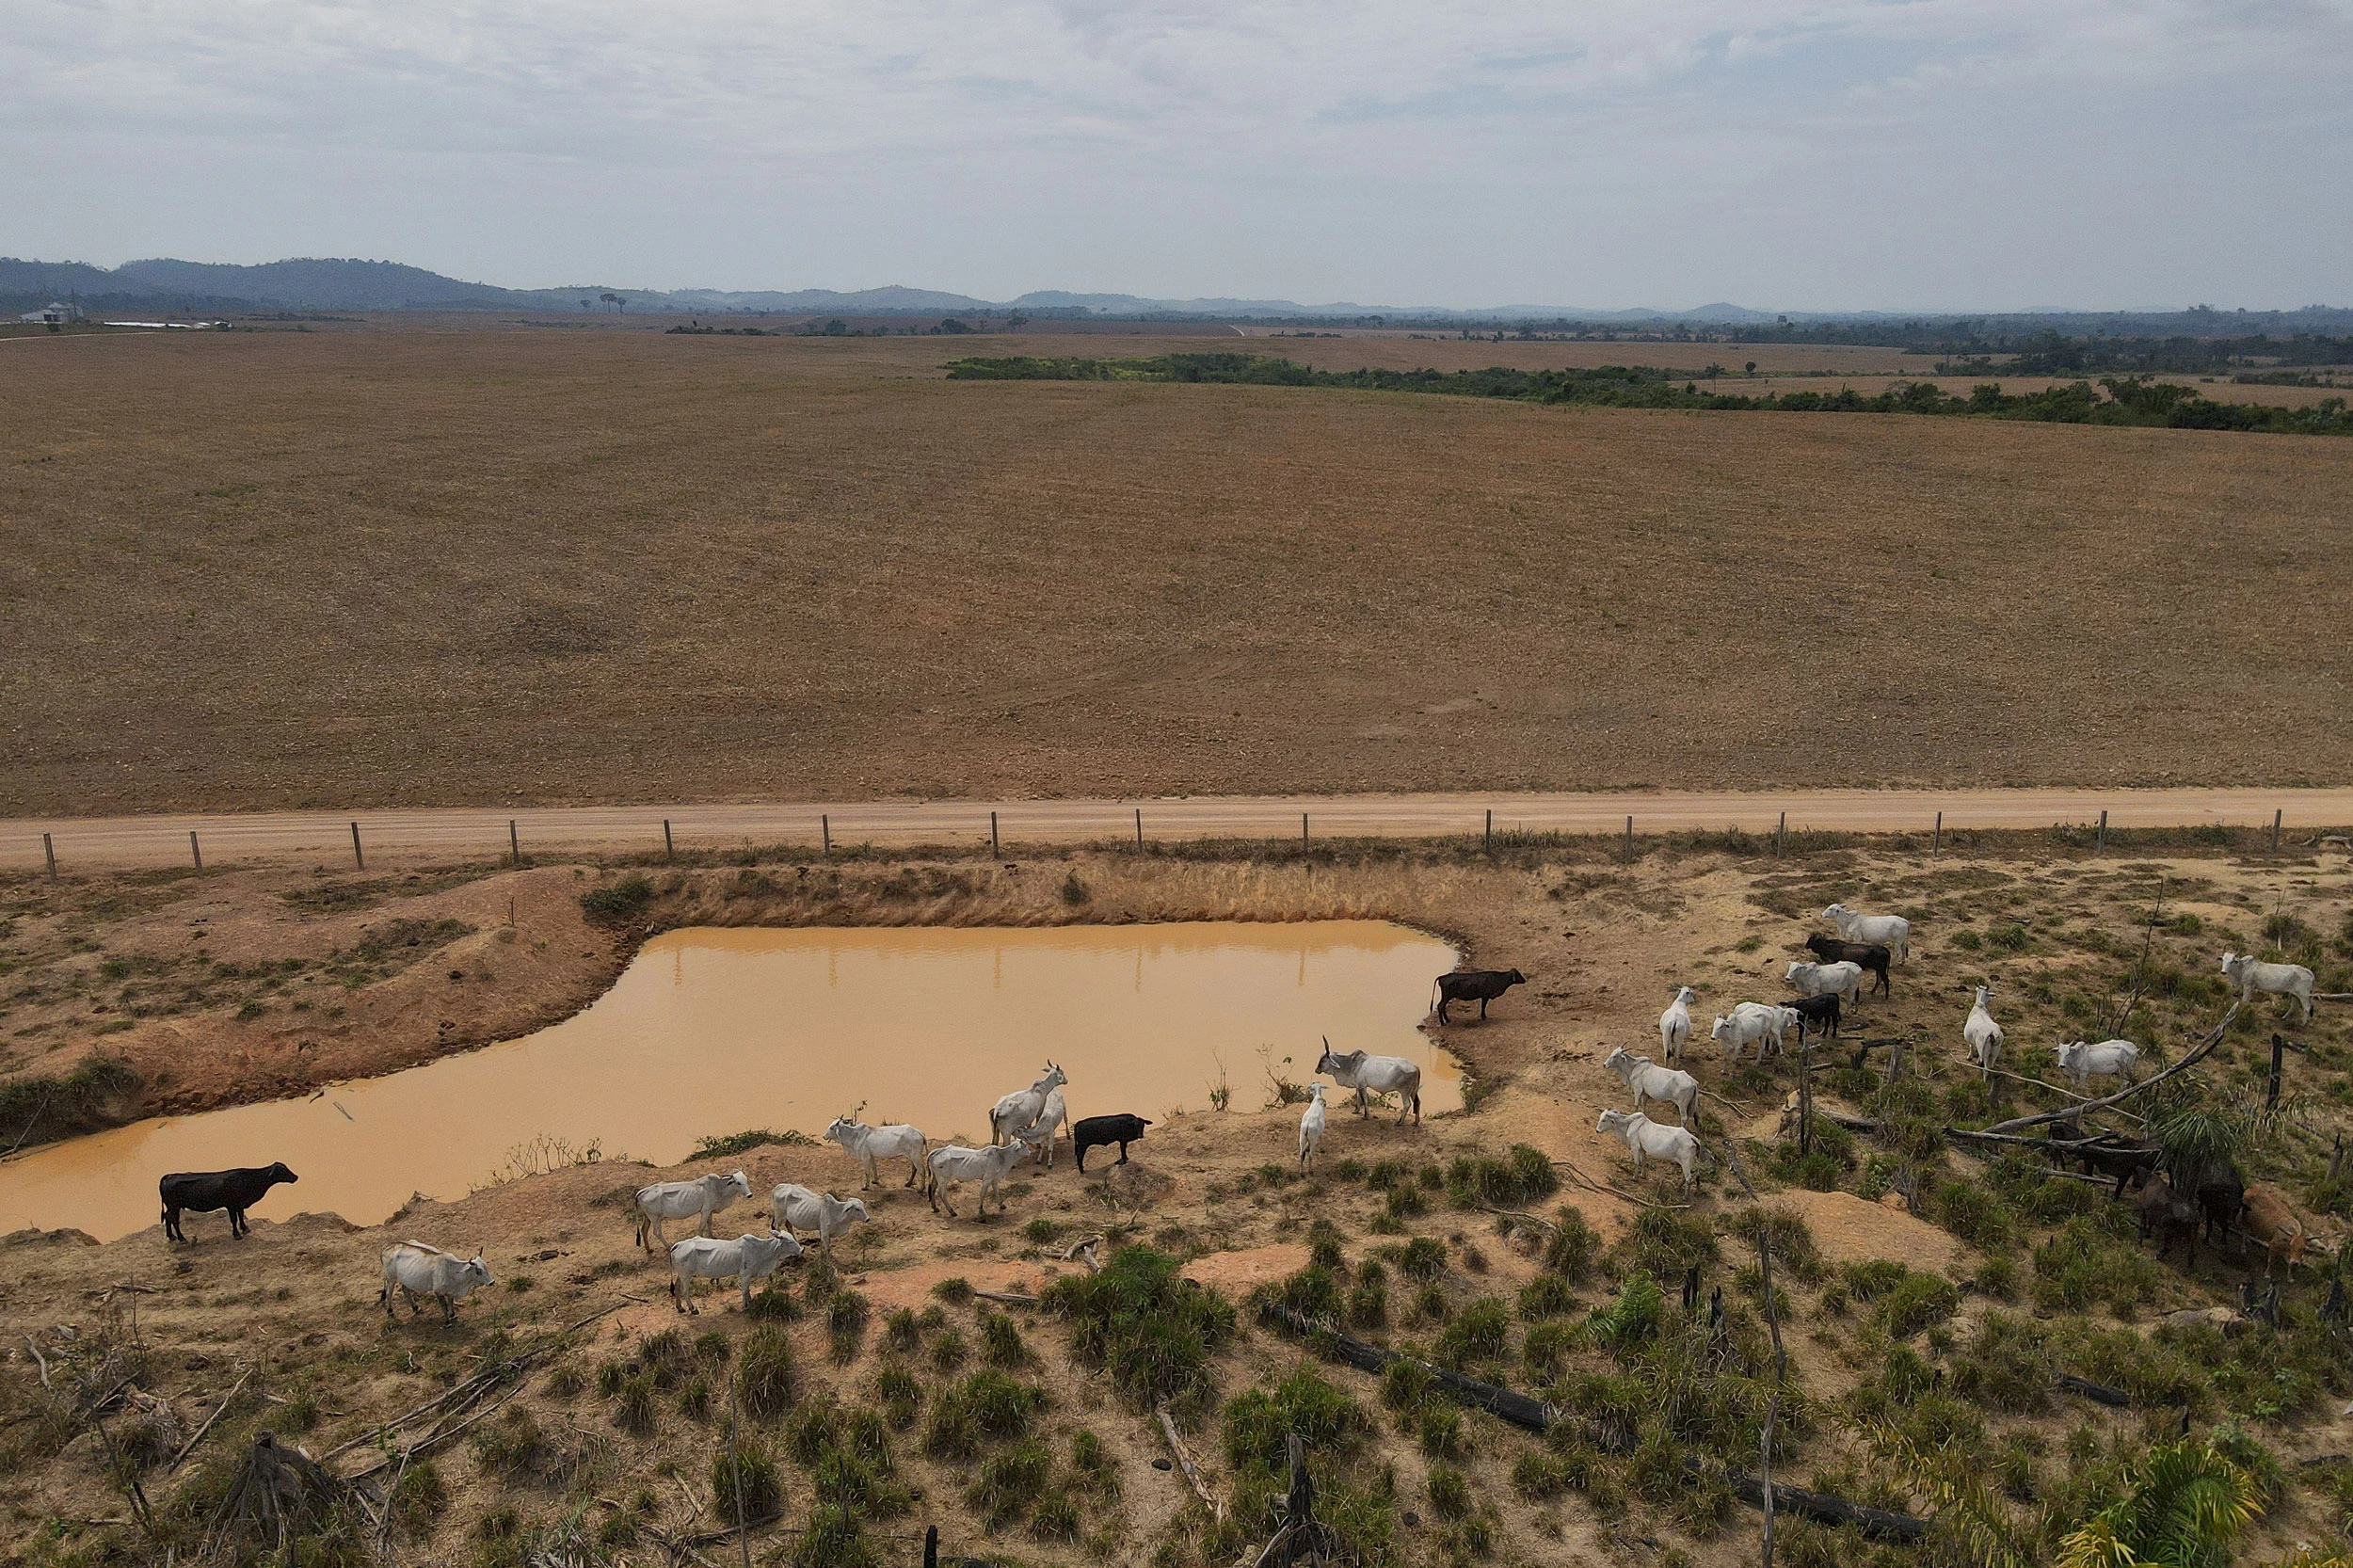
(710, 1032)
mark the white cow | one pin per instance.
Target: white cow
(674, 1200)
(2108, 1059)
(1675, 1026)
(1748, 1024)
(870, 1145)
(1664, 1084)
(1041, 1131)
(1381, 1074)
(747, 1258)
(1892, 932)
(1014, 1111)
(794, 1210)
(1982, 1034)
(955, 1166)
(416, 1269)
(2281, 979)
(1311, 1127)
(1649, 1139)
(1844, 979)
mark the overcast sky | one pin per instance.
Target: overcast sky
(1804, 155)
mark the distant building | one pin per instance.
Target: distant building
(52, 314)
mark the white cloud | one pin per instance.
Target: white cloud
(1261, 117)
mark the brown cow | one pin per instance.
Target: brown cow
(2272, 1221)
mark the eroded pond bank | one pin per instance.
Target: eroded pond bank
(713, 1031)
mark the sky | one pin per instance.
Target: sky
(1789, 154)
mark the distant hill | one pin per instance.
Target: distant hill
(321, 285)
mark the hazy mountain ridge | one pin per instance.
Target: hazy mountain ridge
(327, 284)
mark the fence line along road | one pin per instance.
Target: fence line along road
(331, 837)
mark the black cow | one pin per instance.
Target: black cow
(1869, 957)
(1089, 1132)
(202, 1192)
(1480, 985)
(1818, 1013)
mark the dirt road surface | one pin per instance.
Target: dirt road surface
(293, 835)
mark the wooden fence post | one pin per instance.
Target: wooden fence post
(357, 858)
(669, 850)
(1936, 843)
(2100, 845)
(514, 842)
(825, 830)
(49, 848)
(2275, 828)
(1630, 841)
(931, 1546)
(1139, 828)
(195, 853)
(2271, 1094)
(1303, 832)
(1781, 836)
(995, 847)
(1490, 830)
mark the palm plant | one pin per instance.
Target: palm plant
(2186, 1503)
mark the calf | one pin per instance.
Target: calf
(203, 1191)
(1379, 1074)
(1663, 1084)
(1675, 1026)
(1649, 1139)
(2109, 1156)
(1820, 1014)
(1870, 956)
(1041, 1131)
(2273, 1221)
(675, 1200)
(2080, 1061)
(416, 1269)
(747, 1258)
(792, 1209)
(1983, 1034)
(870, 1145)
(1480, 985)
(2252, 974)
(955, 1166)
(1892, 932)
(2168, 1214)
(1311, 1127)
(1749, 1023)
(1089, 1132)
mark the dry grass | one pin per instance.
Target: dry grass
(386, 567)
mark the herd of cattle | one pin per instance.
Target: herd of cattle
(1024, 1126)
(2217, 1200)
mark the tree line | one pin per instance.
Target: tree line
(2127, 401)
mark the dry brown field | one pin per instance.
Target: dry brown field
(418, 566)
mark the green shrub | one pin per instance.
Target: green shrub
(2006, 1366)
(902, 1331)
(1055, 1517)
(2082, 1264)
(1139, 1321)
(1633, 1318)
(773, 1305)
(1368, 1302)
(765, 1371)
(1666, 1245)
(808, 1432)
(1572, 1247)
(1479, 1333)
(1258, 1420)
(834, 1539)
(986, 1406)
(1794, 1254)
(1438, 1430)
(418, 1501)
(1406, 1202)
(845, 1325)
(1548, 1295)
(1312, 1292)
(1975, 1213)
(744, 1484)
(858, 1484)
(1546, 1347)
(1521, 1177)
(1001, 1344)
(1323, 1247)
(947, 1349)
(1092, 1461)
(899, 1393)
(1918, 1301)
(1009, 1481)
(955, 1292)
(1422, 1259)
(1449, 1492)
(511, 1446)
(619, 903)
(693, 1400)
(633, 1407)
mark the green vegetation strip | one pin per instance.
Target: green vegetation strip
(2131, 401)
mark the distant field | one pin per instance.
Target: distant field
(377, 566)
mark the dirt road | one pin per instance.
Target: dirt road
(296, 835)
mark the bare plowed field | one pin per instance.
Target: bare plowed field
(371, 566)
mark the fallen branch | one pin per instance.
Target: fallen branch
(1536, 1416)
(1193, 1473)
(1084, 1252)
(41, 1358)
(2197, 1053)
(1011, 1298)
(1580, 1178)
(2099, 1392)
(189, 1447)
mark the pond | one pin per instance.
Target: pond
(710, 1032)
